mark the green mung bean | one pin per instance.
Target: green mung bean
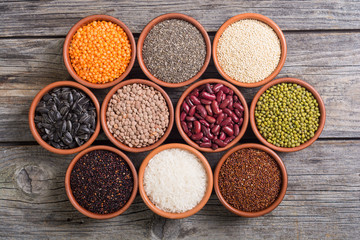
(287, 115)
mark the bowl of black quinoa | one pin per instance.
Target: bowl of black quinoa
(101, 182)
(64, 117)
(174, 50)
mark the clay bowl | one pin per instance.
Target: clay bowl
(69, 37)
(188, 91)
(105, 106)
(283, 185)
(147, 29)
(168, 214)
(87, 212)
(301, 83)
(261, 18)
(36, 101)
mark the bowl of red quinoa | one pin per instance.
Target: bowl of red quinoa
(99, 51)
(137, 115)
(174, 50)
(64, 117)
(250, 180)
(249, 50)
(101, 182)
(212, 115)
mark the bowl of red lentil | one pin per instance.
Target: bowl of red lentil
(174, 50)
(249, 50)
(101, 182)
(212, 115)
(99, 51)
(64, 117)
(137, 115)
(287, 114)
(250, 180)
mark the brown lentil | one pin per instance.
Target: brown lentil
(250, 180)
(137, 115)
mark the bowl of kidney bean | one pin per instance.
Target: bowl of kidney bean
(212, 115)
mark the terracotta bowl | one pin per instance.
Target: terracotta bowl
(72, 198)
(308, 87)
(188, 91)
(168, 214)
(36, 101)
(261, 18)
(147, 29)
(283, 185)
(69, 37)
(105, 106)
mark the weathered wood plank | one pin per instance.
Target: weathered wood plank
(37, 18)
(328, 61)
(322, 201)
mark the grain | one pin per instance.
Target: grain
(248, 51)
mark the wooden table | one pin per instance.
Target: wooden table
(323, 196)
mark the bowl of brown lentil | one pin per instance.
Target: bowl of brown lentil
(212, 115)
(64, 117)
(137, 115)
(287, 114)
(250, 180)
(99, 51)
(174, 50)
(101, 182)
(249, 50)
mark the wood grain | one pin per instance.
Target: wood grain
(322, 201)
(55, 18)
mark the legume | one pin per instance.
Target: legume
(248, 51)
(137, 115)
(174, 51)
(250, 180)
(100, 52)
(287, 115)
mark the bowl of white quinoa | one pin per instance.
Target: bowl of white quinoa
(249, 50)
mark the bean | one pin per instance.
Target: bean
(217, 87)
(204, 122)
(195, 100)
(210, 119)
(205, 139)
(230, 105)
(220, 118)
(189, 134)
(238, 113)
(215, 107)
(226, 121)
(236, 98)
(225, 103)
(198, 116)
(236, 130)
(185, 107)
(229, 139)
(205, 144)
(207, 132)
(208, 110)
(241, 121)
(222, 136)
(205, 101)
(188, 101)
(228, 112)
(215, 130)
(220, 143)
(228, 130)
(226, 90)
(182, 116)
(239, 106)
(192, 111)
(208, 96)
(195, 92)
(197, 127)
(231, 92)
(190, 118)
(197, 136)
(201, 110)
(190, 125)
(184, 127)
(219, 96)
(223, 97)
(214, 146)
(208, 88)
(235, 118)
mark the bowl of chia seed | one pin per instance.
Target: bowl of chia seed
(174, 50)
(64, 117)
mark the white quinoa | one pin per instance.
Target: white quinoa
(248, 51)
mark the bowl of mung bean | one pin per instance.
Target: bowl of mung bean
(250, 180)
(174, 50)
(64, 117)
(212, 115)
(137, 115)
(99, 51)
(249, 50)
(287, 114)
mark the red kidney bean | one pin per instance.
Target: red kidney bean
(231, 92)
(195, 100)
(192, 111)
(228, 112)
(189, 134)
(198, 116)
(239, 106)
(230, 105)
(236, 130)
(210, 119)
(207, 132)
(190, 125)
(188, 101)
(190, 118)
(241, 121)
(208, 110)
(238, 113)
(197, 136)
(226, 90)
(182, 116)
(228, 130)
(223, 97)
(185, 107)
(219, 96)
(197, 127)
(205, 101)
(235, 118)
(204, 122)
(222, 136)
(201, 110)
(184, 127)
(207, 96)
(215, 129)
(220, 118)
(217, 87)
(205, 144)
(226, 121)
(214, 146)
(208, 88)
(212, 125)
(229, 139)
(195, 92)
(201, 87)
(205, 139)
(220, 143)
(215, 107)
(236, 98)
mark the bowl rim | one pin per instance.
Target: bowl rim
(69, 37)
(36, 101)
(208, 191)
(187, 92)
(267, 21)
(104, 107)
(144, 34)
(321, 109)
(283, 184)
(72, 198)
